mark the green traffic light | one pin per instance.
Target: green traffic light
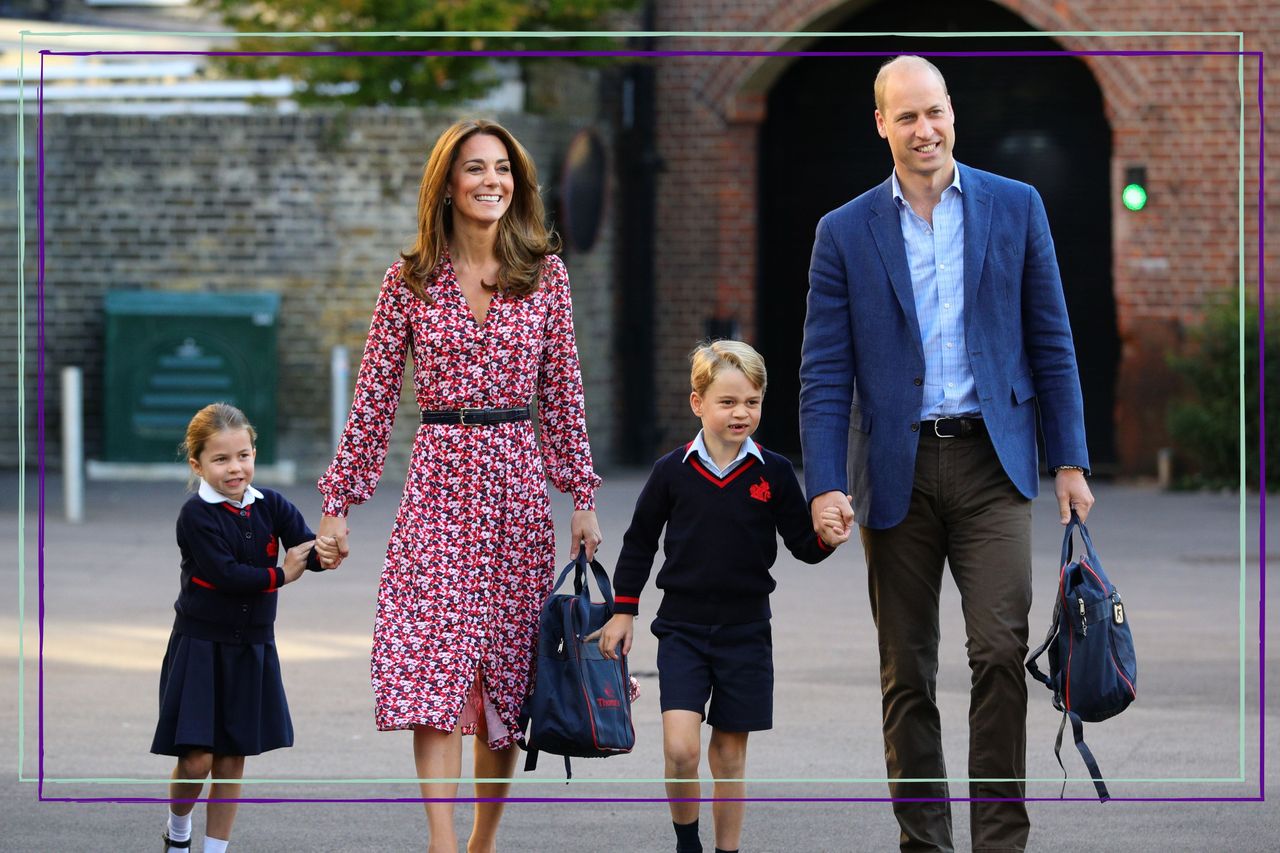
(1134, 196)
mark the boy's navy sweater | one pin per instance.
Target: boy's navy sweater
(229, 572)
(721, 538)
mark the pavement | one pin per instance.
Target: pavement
(95, 621)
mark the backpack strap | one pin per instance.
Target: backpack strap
(531, 763)
(1077, 731)
(1049, 639)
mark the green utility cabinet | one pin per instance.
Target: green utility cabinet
(170, 354)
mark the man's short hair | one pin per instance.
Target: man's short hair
(882, 75)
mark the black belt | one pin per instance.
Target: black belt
(954, 427)
(476, 417)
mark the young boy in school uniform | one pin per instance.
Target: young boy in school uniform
(723, 500)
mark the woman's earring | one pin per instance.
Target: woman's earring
(448, 200)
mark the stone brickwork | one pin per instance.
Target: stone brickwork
(1177, 115)
(311, 205)
(315, 205)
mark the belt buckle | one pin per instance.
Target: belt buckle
(462, 417)
(940, 435)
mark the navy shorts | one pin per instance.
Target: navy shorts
(732, 665)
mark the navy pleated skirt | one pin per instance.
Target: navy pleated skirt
(224, 697)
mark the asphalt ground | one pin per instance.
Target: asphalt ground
(96, 621)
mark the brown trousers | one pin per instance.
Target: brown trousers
(966, 512)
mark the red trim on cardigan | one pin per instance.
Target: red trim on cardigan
(704, 471)
(626, 599)
(204, 583)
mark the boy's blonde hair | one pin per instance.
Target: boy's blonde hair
(709, 358)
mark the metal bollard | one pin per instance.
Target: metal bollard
(1164, 468)
(72, 444)
(339, 378)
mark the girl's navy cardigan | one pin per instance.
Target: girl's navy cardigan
(229, 571)
(721, 538)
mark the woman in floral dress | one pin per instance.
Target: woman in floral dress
(483, 306)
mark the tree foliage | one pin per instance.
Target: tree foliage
(399, 79)
(1206, 428)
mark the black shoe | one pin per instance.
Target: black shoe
(168, 842)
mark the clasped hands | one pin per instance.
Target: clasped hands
(331, 541)
(832, 514)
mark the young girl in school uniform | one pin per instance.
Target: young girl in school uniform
(221, 697)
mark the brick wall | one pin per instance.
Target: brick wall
(312, 205)
(189, 202)
(1178, 116)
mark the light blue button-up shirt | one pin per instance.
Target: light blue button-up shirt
(699, 447)
(935, 254)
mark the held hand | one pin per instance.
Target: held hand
(584, 529)
(1073, 493)
(334, 528)
(295, 561)
(327, 551)
(619, 629)
(833, 530)
(838, 500)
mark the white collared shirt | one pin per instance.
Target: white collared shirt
(209, 494)
(700, 447)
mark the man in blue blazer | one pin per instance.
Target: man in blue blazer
(936, 330)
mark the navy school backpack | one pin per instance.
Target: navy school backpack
(1093, 671)
(581, 702)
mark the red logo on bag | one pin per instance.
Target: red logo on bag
(610, 701)
(272, 548)
(760, 491)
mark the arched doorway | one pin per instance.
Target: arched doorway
(1038, 119)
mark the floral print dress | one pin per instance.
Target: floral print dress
(472, 552)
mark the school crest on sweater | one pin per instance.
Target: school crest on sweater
(760, 491)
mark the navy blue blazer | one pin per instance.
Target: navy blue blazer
(862, 360)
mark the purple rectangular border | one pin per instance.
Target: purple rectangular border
(1262, 494)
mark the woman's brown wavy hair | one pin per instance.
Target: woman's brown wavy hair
(523, 237)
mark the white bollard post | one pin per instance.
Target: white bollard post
(1164, 468)
(340, 376)
(72, 445)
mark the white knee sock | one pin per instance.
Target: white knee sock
(179, 827)
(215, 845)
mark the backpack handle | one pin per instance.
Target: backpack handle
(1072, 526)
(579, 567)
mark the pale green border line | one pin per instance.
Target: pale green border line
(623, 34)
